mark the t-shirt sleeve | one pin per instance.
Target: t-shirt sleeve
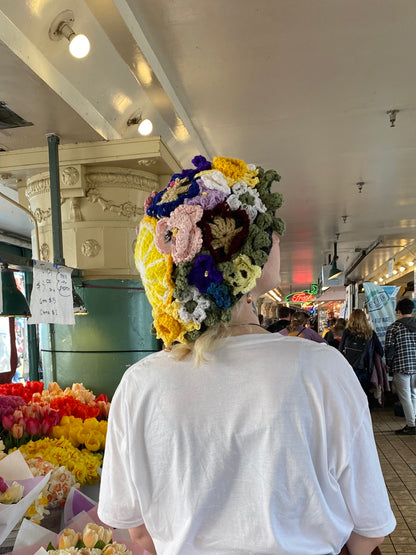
(119, 502)
(363, 488)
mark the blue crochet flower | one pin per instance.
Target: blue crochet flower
(220, 294)
(172, 196)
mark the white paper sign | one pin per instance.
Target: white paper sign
(51, 301)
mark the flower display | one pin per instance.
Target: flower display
(82, 463)
(25, 391)
(89, 432)
(203, 242)
(59, 483)
(10, 494)
(94, 540)
(27, 422)
(68, 405)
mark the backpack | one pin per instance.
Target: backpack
(355, 350)
(297, 333)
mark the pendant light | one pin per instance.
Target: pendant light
(335, 271)
(78, 304)
(14, 302)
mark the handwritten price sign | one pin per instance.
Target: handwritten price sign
(51, 301)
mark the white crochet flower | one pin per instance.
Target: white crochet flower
(233, 202)
(199, 314)
(215, 180)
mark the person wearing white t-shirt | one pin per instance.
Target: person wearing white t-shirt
(236, 441)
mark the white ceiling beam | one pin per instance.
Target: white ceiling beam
(24, 49)
(157, 68)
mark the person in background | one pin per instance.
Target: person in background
(234, 439)
(298, 328)
(329, 317)
(334, 337)
(401, 358)
(328, 330)
(358, 344)
(285, 314)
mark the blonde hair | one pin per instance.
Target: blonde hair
(298, 319)
(358, 324)
(204, 344)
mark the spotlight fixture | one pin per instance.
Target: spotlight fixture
(360, 185)
(411, 263)
(79, 45)
(145, 126)
(394, 272)
(375, 282)
(14, 302)
(380, 280)
(402, 268)
(392, 117)
(334, 271)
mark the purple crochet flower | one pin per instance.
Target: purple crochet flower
(220, 293)
(207, 198)
(204, 273)
(201, 164)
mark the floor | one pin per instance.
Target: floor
(398, 462)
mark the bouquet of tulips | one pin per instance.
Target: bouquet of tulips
(21, 422)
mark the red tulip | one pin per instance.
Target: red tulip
(47, 424)
(7, 421)
(32, 426)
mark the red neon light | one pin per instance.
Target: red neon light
(302, 298)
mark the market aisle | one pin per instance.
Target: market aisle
(398, 461)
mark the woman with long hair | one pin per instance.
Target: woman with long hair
(298, 328)
(358, 344)
(234, 439)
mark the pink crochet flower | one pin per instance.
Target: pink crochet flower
(179, 235)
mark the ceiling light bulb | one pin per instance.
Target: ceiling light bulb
(145, 127)
(380, 280)
(394, 272)
(387, 275)
(375, 282)
(411, 263)
(402, 268)
(79, 46)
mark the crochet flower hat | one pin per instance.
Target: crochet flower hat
(203, 242)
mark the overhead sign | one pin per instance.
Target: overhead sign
(305, 296)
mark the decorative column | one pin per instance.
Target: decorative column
(101, 206)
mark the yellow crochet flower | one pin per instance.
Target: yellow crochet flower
(169, 326)
(235, 170)
(243, 275)
(155, 268)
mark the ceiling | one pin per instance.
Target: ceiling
(302, 86)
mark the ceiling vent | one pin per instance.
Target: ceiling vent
(9, 119)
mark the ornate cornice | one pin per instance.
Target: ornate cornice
(126, 180)
(36, 186)
(126, 209)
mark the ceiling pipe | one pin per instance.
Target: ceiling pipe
(360, 258)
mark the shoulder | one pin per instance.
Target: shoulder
(147, 368)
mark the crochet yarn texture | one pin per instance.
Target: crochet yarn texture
(203, 242)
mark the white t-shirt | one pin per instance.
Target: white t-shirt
(267, 449)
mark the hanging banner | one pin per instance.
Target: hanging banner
(380, 308)
(51, 301)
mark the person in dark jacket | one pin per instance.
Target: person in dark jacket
(358, 344)
(285, 315)
(401, 358)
